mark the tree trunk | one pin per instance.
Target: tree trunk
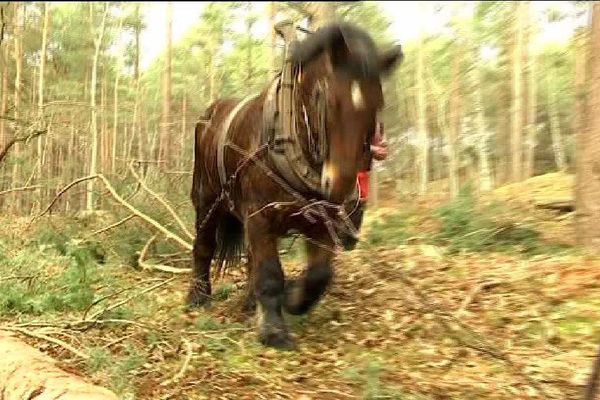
(531, 99)
(4, 94)
(94, 121)
(40, 110)
(18, 56)
(454, 131)
(104, 137)
(557, 142)
(588, 173)
(517, 95)
(272, 10)
(249, 64)
(113, 155)
(165, 127)
(26, 373)
(182, 158)
(422, 122)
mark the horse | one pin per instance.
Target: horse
(286, 160)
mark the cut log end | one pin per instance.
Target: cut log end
(26, 373)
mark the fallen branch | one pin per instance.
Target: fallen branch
(120, 222)
(471, 296)
(27, 373)
(47, 338)
(157, 267)
(20, 189)
(163, 202)
(128, 299)
(186, 363)
(16, 140)
(170, 235)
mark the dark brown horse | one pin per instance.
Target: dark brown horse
(286, 160)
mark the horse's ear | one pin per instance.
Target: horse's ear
(390, 59)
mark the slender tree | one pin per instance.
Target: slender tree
(588, 172)
(165, 125)
(98, 35)
(516, 142)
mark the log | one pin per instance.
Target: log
(26, 373)
(564, 206)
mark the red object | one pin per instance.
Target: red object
(379, 152)
(363, 184)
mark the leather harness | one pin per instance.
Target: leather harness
(280, 116)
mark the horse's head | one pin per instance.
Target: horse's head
(341, 65)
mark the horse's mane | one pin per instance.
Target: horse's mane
(334, 38)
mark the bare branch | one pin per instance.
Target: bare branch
(170, 235)
(157, 267)
(16, 140)
(20, 189)
(120, 222)
(163, 202)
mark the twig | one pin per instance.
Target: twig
(60, 193)
(119, 199)
(8, 278)
(163, 202)
(472, 294)
(186, 363)
(121, 222)
(157, 267)
(21, 189)
(118, 340)
(483, 346)
(16, 140)
(128, 299)
(47, 338)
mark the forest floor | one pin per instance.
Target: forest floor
(457, 302)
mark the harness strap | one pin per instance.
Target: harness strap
(223, 136)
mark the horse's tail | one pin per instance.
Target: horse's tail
(230, 243)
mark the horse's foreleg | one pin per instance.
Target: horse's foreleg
(249, 299)
(268, 285)
(303, 293)
(202, 254)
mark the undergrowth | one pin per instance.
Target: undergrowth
(465, 224)
(39, 280)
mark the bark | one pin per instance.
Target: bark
(94, 123)
(181, 158)
(4, 93)
(422, 122)
(26, 373)
(588, 146)
(531, 100)
(249, 64)
(41, 90)
(272, 10)
(138, 32)
(165, 127)
(113, 156)
(557, 141)
(18, 56)
(454, 130)
(516, 143)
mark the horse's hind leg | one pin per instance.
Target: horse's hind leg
(202, 254)
(303, 293)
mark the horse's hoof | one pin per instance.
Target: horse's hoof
(197, 300)
(280, 340)
(248, 307)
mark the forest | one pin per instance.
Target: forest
(477, 268)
